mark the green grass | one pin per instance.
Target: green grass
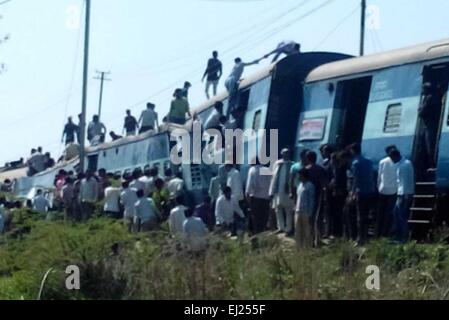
(156, 267)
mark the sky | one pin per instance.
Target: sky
(151, 47)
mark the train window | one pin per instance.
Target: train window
(204, 115)
(259, 94)
(195, 172)
(257, 120)
(393, 118)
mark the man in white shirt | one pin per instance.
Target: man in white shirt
(177, 218)
(195, 231)
(406, 190)
(225, 209)
(148, 119)
(136, 183)
(128, 199)
(257, 192)
(234, 181)
(176, 187)
(88, 195)
(111, 202)
(40, 203)
(96, 130)
(387, 185)
(145, 218)
(280, 190)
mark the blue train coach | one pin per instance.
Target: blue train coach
(375, 100)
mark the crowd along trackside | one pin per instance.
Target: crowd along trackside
(313, 99)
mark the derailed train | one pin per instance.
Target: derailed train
(313, 99)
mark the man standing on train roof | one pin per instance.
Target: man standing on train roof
(185, 90)
(130, 126)
(285, 47)
(148, 119)
(179, 108)
(70, 130)
(96, 130)
(429, 112)
(213, 72)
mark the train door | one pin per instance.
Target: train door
(430, 120)
(350, 110)
(92, 162)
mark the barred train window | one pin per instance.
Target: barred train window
(393, 118)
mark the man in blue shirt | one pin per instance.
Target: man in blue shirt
(363, 190)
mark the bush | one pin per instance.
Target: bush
(117, 265)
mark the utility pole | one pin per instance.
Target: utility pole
(102, 77)
(362, 28)
(84, 100)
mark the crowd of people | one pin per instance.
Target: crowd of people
(39, 161)
(341, 196)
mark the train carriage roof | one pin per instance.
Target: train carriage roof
(288, 63)
(13, 174)
(419, 53)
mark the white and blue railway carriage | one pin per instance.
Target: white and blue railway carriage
(374, 100)
(271, 99)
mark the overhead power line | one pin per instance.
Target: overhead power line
(4, 2)
(336, 28)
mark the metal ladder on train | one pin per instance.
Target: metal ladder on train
(424, 209)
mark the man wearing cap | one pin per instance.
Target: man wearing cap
(213, 72)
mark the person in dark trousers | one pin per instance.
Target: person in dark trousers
(213, 72)
(363, 190)
(406, 190)
(70, 131)
(338, 192)
(257, 193)
(319, 178)
(131, 126)
(148, 119)
(429, 112)
(387, 186)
